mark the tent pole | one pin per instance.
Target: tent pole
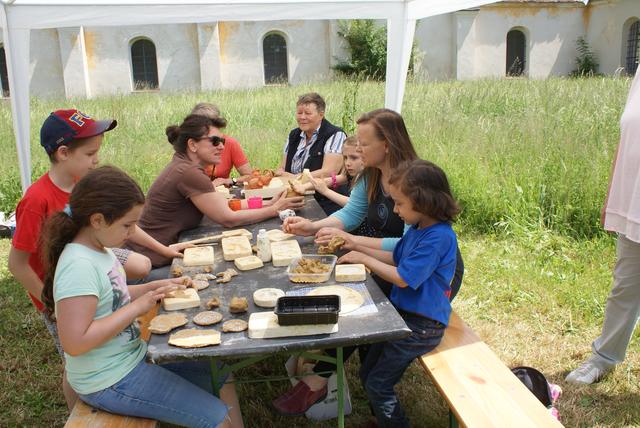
(16, 48)
(400, 32)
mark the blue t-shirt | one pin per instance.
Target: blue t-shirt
(426, 261)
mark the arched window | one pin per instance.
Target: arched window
(4, 77)
(633, 48)
(516, 53)
(144, 65)
(274, 48)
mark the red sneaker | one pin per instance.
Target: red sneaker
(298, 399)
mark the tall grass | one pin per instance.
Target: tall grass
(522, 155)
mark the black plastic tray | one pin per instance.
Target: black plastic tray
(297, 310)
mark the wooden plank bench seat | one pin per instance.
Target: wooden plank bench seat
(84, 415)
(479, 389)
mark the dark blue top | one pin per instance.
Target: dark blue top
(426, 261)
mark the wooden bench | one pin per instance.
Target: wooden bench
(84, 415)
(479, 389)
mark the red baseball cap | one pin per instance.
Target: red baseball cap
(64, 126)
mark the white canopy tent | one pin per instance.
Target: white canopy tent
(19, 17)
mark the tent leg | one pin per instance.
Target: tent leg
(16, 48)
(400, 32)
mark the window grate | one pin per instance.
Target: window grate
(633, 47)
(4, 77)
(516, 53)
(144, 65)
(275, 59)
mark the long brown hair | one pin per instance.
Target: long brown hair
(390, 128)
(105, 190)
(193, 126)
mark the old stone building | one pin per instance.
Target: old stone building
(534, 38)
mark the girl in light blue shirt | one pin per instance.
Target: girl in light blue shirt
(85, 289)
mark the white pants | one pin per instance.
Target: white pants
(623, 304)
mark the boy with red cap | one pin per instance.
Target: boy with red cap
(72, 140)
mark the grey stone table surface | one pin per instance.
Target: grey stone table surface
(383, 325)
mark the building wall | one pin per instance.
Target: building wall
(435, 48)
(607, 33)
(464, 45)
(241, 51)
(550, 33)
(108, 53)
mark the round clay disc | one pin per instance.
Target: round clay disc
(164, 323)
(350, 299)
(207, 318)
(267, 297)
(234, 326)
(199, 284)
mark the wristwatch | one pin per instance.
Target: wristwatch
(234, 181)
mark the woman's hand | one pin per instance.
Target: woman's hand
(325, 234)
(280, 172)
(298, 226)
(175, 250)
(353, 257)
(222, 182)
(283, 203)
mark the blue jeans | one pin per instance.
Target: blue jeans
(386, 362)
(177, 393)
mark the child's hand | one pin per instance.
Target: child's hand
(300, 189)
(148, 300)
(325, 234)
(177, 283)
(298, 226)
(318, 183)
(353, 257)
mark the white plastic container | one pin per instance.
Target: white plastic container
(264, 246)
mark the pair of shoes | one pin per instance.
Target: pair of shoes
(297, 400)
(589, 372)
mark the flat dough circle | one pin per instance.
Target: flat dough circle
(207, 318)
(234, 326)
(200, 284)
(194, 338)
(164, 323)
(350, 299)
(267, 297)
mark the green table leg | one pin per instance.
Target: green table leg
(453, 422)
(340, 367)
(214, 377)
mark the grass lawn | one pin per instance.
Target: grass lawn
(529, 162)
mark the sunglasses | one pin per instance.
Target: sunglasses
(214, 139)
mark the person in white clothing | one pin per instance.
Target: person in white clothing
(620, 214)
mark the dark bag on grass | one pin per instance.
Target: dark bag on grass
(547, 393)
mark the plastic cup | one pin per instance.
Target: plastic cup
(235, 204)
(254, 202)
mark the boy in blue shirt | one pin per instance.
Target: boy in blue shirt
(421, 268)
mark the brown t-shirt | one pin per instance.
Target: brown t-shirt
(168, 209)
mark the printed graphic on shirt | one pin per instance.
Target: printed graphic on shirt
(121, 297)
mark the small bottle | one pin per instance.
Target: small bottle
(264, 246)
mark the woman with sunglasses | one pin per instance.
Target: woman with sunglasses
(182, 194)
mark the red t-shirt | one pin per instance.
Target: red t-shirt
(42, 199)
(232, 157)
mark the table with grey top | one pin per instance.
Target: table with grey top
(385, 324)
